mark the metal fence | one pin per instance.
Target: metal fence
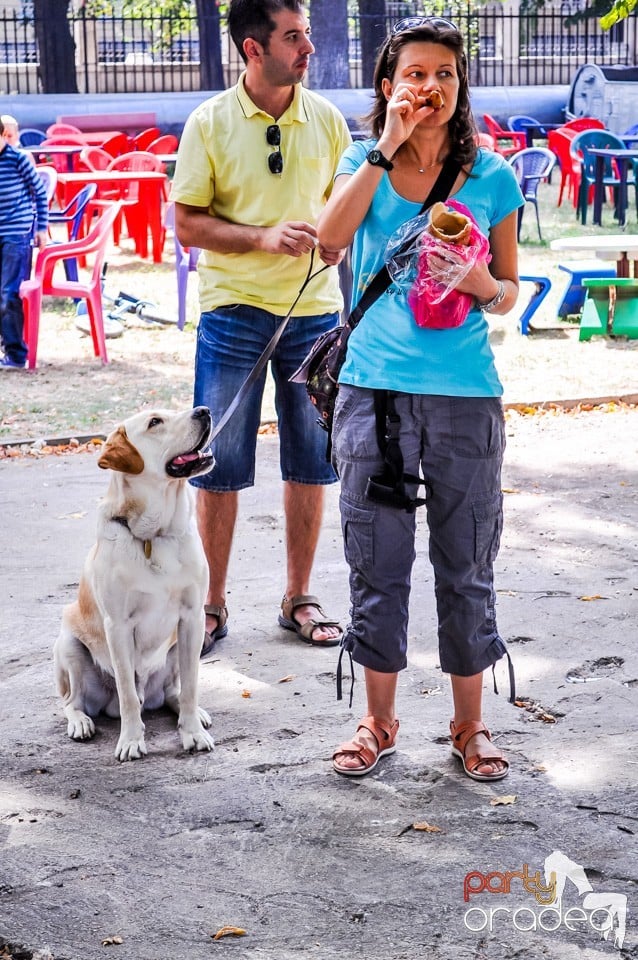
(156, 54)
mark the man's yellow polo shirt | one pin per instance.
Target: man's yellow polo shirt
(223, 165)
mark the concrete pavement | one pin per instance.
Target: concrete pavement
(261, 834)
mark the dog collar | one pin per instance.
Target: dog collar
(148, 544)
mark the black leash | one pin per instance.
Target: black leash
(266, 354)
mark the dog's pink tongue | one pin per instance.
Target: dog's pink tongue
(185, 458)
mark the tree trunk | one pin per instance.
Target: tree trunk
(211, 74)
(329, 69)
(56, 47)
(373, 33)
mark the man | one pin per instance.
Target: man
(254, 169)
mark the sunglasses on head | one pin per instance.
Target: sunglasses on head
(410, 23)
(273, 139)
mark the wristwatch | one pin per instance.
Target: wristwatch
(376, 158)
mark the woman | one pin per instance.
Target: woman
(445, 388)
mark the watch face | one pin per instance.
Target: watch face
(376, 158)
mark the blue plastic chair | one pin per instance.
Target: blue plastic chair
(519, 123)
(532, 166)
(185, 263)
(579, 149)
(30, 137)
(73, 215)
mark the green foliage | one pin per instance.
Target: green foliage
(163, 19)
(620, 11)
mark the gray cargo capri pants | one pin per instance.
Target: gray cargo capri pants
(458, 442)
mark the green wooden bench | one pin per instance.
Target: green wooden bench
(611, 308)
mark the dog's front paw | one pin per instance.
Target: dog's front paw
(130, 748)
(194, 737)
(204, 718)
(79, 726)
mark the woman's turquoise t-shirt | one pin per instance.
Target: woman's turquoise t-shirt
(387, 350)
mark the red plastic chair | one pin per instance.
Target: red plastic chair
(44, 284)
(507, 141)
(168, 143)
(116, 145)
(142, 140)
(559, 142)
(62, 129)
(126, 193)
(583, 123)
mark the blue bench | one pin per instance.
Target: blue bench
(574, 296)
(542, 286)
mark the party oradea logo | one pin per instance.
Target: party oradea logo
(547, 907)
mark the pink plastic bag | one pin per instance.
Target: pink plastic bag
(433, 298)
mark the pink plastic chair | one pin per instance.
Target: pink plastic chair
(94, 158)
(44, 284)
(61, 129)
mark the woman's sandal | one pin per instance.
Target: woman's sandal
(386, 739)
(461, 735)
(306, 630)
(211, 637)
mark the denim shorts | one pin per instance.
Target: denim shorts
(230, 340)
(458, 443)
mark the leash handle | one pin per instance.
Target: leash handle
(266, 354)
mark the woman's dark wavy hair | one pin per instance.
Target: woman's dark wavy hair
(462, 127)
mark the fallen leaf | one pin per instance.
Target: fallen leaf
(426, 827)
(503, 801)
(540, 768)
(287, 678)
(73, 516)
(246, 694)
(110, 941)
(509, 490)
(594, 596)
(228, 932)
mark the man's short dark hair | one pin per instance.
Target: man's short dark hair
(253, 18)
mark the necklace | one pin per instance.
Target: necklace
(428, 166)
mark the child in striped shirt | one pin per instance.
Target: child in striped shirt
(22, 199)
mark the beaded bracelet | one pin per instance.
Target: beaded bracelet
(496, 300)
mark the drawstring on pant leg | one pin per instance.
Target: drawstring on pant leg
(512, 678)
(340, 677)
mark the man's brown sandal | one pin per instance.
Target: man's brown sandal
(461, 735)
(386, 743)
(211, 637)
(306, 630)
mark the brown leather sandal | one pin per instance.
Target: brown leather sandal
(306, 630)
(461, 735)
(220, 631)
(386, 743)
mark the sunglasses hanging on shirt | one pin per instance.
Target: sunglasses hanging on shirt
(273, 139)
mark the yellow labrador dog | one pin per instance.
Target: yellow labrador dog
(132, 639)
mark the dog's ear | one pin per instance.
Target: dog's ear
(120, 454)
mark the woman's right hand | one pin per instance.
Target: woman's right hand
(406, 108)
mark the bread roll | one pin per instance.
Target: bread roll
(449, 225)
